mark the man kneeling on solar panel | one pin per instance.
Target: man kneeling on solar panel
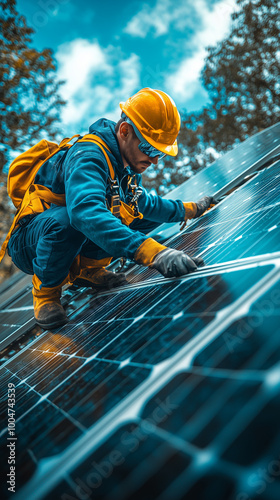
(86, 205)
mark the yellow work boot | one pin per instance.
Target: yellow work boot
(92, 273)
(48, 310)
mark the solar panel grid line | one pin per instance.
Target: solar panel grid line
(160, 331)
(45, 397)
(164, 228)
(254, 220)
(17, 333)
(231, 351)
(76, 423)
(14, 292)
(202, 272)
(241, 420)
(183, 482)
(56, 357)
(189, 471)
(210, 408)
(50, 367)
(133, 482)
(254, 168)
(18, 374)
(244, 374)
(145, 471)
(236, 310)
(247, 372)
(27, 321)
(129, 497)
(215, 252)
(13, 281)
(138, 398)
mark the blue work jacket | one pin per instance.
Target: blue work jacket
(82, 175)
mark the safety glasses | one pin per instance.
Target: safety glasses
(144, 146)
(150, 151)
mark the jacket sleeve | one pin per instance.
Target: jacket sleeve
(86, 175)
(158, 209)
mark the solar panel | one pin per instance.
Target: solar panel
(245, 224)
(165, 388)
(226, 172)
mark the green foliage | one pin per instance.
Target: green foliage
(29, 99)
(29, 102)
(241, 75)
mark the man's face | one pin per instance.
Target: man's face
(132, 155)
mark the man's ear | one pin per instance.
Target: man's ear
(124, 130)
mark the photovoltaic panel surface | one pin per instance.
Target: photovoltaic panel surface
(226, 172)
(16, 318)
(166, 388)
(245, 224)
(69, 381)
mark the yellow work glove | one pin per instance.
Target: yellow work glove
(194, 210)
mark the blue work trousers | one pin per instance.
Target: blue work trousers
(47, 245)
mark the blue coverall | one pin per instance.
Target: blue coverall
(49, 242)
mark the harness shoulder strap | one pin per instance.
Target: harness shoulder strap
(115, 197)
(97, 140)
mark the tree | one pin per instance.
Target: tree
(193, 155)
(241, 75)
(29, 98)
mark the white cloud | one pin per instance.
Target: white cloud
(77, 61)
(159, 18)
(215, 24)
(95, 82)
(129, 69)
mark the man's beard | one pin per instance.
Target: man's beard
(130, 163)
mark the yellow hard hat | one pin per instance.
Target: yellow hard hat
(155, 115)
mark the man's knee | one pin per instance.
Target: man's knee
(56, 222)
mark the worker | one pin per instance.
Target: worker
(107, 211)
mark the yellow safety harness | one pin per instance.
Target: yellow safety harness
(30, 198)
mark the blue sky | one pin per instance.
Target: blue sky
(107, 50)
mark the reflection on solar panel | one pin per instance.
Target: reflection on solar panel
(165, 388)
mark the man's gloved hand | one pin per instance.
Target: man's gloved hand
(194, 210)
(204, 204)
(173, 263)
